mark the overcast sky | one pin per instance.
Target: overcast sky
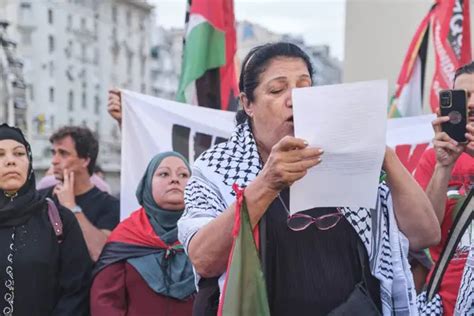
(318, 21)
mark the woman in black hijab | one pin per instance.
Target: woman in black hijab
(40, 273)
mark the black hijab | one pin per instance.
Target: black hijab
(18, 209)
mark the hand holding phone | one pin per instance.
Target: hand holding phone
(453, 104)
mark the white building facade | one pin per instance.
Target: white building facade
(166, 59)
(74, 51)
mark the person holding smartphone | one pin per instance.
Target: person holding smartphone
(326, 260)
(446, 172)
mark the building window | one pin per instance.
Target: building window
(31, 91)
(96, 104)
(97, 126)
(69, 49)
(96, 56)
(26, 38)
(84, 100)
(114, 14)
(69, 22)
(83, 52)
(50, 16)
(25, 12)
(51, 68)
(96, 24)
(51, 43)
(71, 121)
(129, 18)
(143, 66)
(71, 100)
(83, 24)
(84, 123)
(129, 62)
(51, 94)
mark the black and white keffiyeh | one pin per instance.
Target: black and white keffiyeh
(465, 301)
(209, 192)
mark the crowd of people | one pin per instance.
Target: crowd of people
(64, 250)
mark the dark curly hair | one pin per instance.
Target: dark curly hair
(255, 63)
(465, 69)
(85, 142)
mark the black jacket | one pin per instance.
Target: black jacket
(50, 278)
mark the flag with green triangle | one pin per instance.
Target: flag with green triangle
(245, 292)
(408, 97)
(208, 74)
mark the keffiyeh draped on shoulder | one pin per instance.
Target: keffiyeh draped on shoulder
(465, 301)
(209, 192)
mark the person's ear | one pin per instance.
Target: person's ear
(247, 106)
(86, 162)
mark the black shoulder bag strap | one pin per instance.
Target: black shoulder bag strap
(461, 223)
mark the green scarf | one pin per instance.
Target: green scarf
(164, 222)
(168, 275)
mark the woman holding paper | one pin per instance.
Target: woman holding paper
(309, 269)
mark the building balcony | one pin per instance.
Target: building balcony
(85, 34)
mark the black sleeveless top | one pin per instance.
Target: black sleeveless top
(310, 272)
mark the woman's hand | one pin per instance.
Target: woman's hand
(289, 161)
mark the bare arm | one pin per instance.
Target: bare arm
(413, 210)
(210, 247)
(437, 189)
(94, 237)
(447, 153)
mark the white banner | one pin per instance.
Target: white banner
(151, 125)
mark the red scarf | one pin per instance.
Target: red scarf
(137, 230)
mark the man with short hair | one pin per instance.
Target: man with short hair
(75, 151)
(446, 172)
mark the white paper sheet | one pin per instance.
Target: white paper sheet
(348, 121)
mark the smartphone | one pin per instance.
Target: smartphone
(453, 103)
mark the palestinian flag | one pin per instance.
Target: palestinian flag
(208, 76)
(408, 98)
(245, 291)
